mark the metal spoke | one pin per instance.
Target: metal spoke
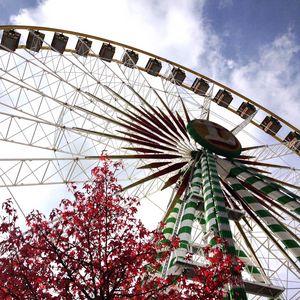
(60, 111)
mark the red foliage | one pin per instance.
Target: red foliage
(95, 248)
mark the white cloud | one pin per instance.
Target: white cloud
(163, 27)
(273, 77)
(177, 29)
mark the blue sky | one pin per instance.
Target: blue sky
(10, 7)
(247, 25)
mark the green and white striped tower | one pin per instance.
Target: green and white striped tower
(204, 187)
(216, 188)
(216, 213)
(187, 219)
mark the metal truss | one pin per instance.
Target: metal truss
(59, 112)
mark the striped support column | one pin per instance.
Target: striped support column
(278, 229)
(277, 186)
(216, 202)
(267, 189)
(216, 213)
(168, 230)
(209, 207)
(187, 220)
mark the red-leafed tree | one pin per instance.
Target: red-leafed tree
(95, 248)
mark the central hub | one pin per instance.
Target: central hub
(214, 137)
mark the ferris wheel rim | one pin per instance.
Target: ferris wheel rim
(75, 33)
(229, 108)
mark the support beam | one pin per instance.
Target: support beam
(262, 289)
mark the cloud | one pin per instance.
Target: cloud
(163, 27)
(272, 77)
(177, 30)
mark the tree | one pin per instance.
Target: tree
(94, 248)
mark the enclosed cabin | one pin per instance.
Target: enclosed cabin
(246, 109)
(130, 58)
(270, 125)
(223, 98)
(59, 42)
(10, 40)
(177, 75)
(153, 66)
(35, 40)
(107, 52)
(200, 86)
(83, 46)
(293, 139)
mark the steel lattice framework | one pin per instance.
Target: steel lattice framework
(59, 109)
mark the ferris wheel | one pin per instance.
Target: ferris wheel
(228, 164)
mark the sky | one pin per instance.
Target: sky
(253, 46)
